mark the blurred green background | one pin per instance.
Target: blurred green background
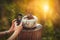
(9, 9)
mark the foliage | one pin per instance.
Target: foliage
(11, 9)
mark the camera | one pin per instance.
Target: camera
(18, 18)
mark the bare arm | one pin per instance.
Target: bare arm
(15, 34)
(8, 31)
(12, 27)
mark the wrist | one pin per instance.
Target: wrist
(6, 32)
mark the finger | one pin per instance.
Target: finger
(13, 20)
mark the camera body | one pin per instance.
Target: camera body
(18, 21)
(18, 18)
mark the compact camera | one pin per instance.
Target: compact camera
(18, 19)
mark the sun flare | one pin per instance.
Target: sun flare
(46, 8)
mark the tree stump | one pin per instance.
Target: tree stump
(34, 34)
